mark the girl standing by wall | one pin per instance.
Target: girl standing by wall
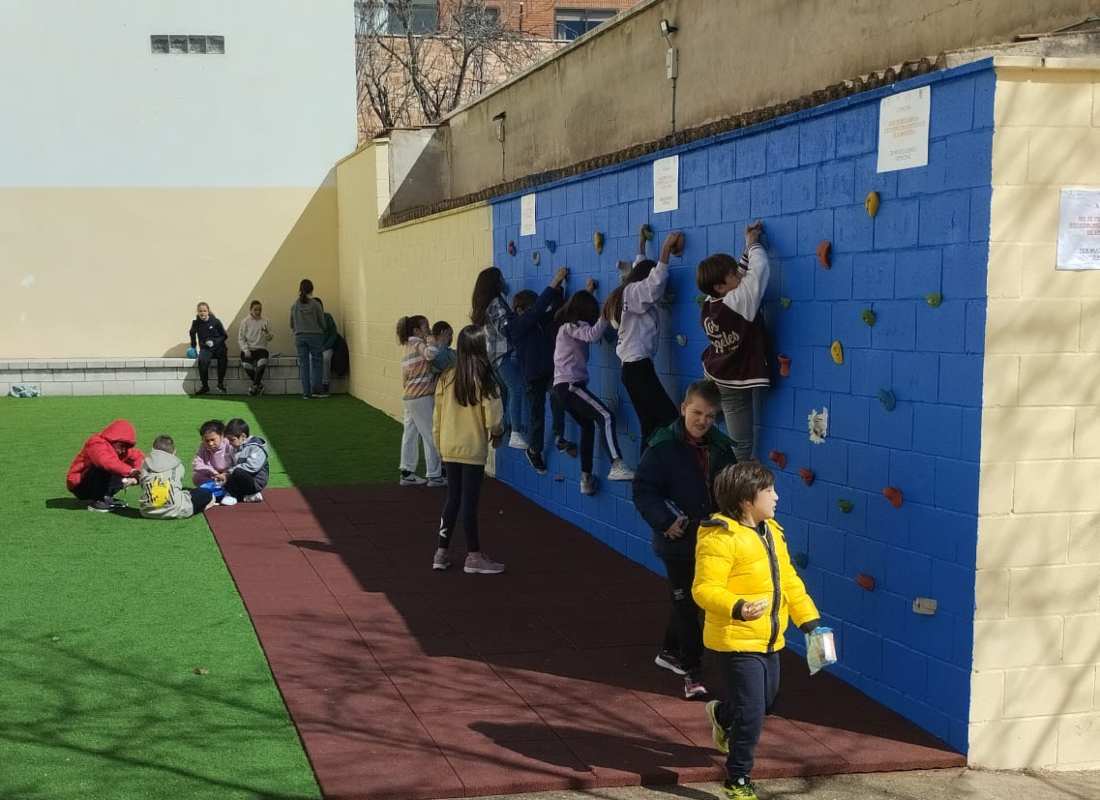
(491, 312)
(418, 379)
(307, 320)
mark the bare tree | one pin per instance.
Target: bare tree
(411, 71)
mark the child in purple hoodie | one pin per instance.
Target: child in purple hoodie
(215, 454)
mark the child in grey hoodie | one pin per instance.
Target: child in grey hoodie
(246, 479)
(161, 479)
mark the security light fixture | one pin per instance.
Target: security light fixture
(498, 122)
(667, 28)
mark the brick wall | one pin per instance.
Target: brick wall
(537, 16)
(807, 176)
(1035, 693)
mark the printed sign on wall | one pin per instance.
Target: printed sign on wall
(527, 215)
(666, 184)
(903, 130)
(1079, 229)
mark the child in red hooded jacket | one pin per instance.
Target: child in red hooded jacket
(106, 464)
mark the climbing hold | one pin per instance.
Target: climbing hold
(535, 257)
(886, 397)
(784, 364)
(871, 203)
(824, 253)
(551, 245)
(681, 340)
(785, 302)
(511, 248)
(807, 475)
(678, 245)
(597, 242)
(845, 506)
(778, 458)
(800, 560)
(647, 233)
(934, 299)
(836, 350)
(868, 316)
(700, 299)
(926, 606)
(865, 581)
(559, 477)
(893, 494)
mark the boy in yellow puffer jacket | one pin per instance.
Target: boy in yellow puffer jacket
(745, 583)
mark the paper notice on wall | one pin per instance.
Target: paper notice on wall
(527, 215)
(903, 130)
(666, 184)
(1079, 229)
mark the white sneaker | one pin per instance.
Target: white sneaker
(517, 441)
(253, 498)
(620, 472)
(435, 483)
(588, 484)
(228, 500)
(412, 479)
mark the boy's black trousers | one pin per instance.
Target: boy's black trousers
(752, 682)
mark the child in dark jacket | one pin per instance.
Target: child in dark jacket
(673, 493)
(246, 479)
(106, 464)
(208, 337)
(532, 333)
(736, 358)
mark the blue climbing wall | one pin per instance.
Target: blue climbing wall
(806, 176)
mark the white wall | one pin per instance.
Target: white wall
(87, 104)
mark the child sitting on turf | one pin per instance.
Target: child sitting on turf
(214, 456)
(246, 479)
(445, 355)
(106, 464)
(162, 494)
(736, 358)
(745, 583)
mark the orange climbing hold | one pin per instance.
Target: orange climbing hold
(824, 253)
(865, 581)
(893, 494)
(778, 458)
(784, 365)
(807, 476)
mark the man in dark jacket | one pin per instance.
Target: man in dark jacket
(532, 334)
(673, 493)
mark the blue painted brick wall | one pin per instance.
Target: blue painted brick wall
(807, 176)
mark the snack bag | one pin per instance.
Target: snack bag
(820, 649)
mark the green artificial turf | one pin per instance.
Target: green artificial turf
(128, 665)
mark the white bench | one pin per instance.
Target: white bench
(60, 377)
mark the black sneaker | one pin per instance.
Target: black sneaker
(534, 458)
(567, 447)
(202, 390)
(259, 389)
(694, 688)
(671, 662)
(252, 391)
(102, 506)
(222, 389)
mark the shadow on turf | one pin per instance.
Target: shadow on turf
(72, 504)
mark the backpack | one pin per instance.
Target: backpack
(341, 359)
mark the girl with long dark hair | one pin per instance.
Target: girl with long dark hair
(467, 420)
(632, 309)
(580, 325)
(492, 313)
(307, 320)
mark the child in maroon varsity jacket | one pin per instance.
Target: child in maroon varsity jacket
(736, 359)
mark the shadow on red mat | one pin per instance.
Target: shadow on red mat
(406, 682)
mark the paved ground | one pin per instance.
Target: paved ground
(409, 683)
(958, 784)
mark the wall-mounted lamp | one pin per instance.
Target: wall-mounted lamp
(671, 56)
(667, 28)
(498, 124)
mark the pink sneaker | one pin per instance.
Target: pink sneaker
(480, 564)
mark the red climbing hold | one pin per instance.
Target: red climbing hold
(893, 494)
(824, 253)
(778, 458)
(865, 581)
(784, 365)
(807, 476)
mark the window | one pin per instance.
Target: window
(570, 23)
(177, 43)
(423, 18)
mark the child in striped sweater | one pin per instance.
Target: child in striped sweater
(418, 379)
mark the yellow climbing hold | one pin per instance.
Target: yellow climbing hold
(871, 203)
(597, 242)
(836, 350)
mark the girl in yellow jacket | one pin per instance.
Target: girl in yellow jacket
(466, 421)
(745, 583)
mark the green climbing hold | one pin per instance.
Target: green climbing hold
(934, 299)
(785, 302)
(845, 506)
(868, 316)
(700, 299)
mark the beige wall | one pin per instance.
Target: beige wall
(1035, 690)
(426, 267)
(735, 56)
(117, 272)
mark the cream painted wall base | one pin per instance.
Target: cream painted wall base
(125, 376)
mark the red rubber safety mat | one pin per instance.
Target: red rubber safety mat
(406, 682)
